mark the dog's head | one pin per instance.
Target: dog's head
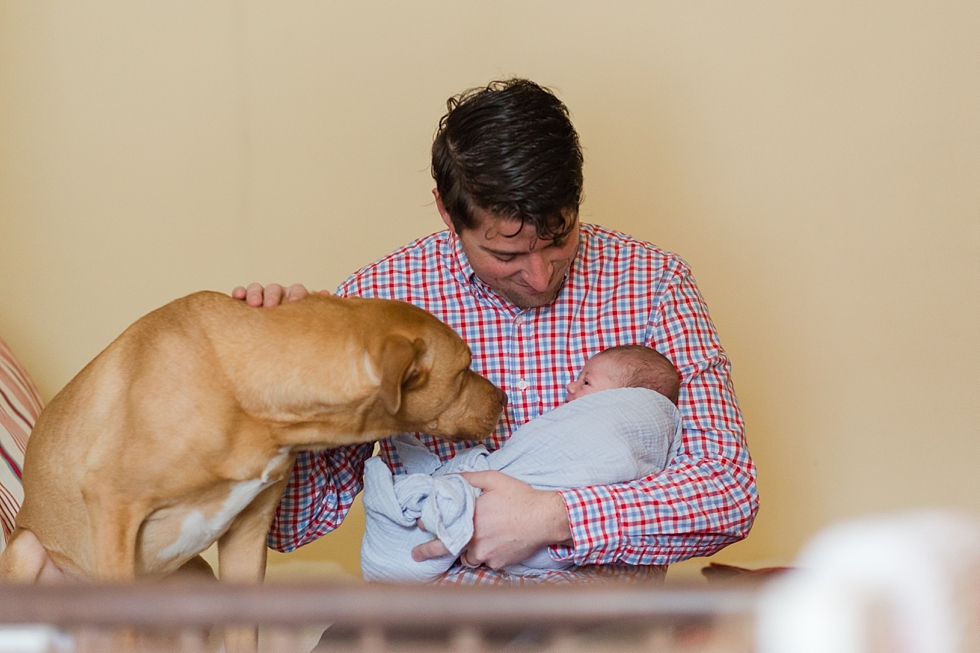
(423, 375)
(356, 369)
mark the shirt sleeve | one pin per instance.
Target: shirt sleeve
(706, 498)
(320, 491)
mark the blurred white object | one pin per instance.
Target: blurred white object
(908, 583)
(34, 639)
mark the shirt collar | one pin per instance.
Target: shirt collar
(460, 264)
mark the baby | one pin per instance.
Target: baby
(623, 425)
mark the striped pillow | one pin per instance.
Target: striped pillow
(20, 405)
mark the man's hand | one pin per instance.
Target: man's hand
(512, 521)
(271, 295)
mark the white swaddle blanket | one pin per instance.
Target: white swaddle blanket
(606, 437)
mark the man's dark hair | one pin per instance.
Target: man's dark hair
(509, 148)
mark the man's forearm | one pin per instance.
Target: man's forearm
(690, 510)
(320, 492)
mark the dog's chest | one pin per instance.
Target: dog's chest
(203, 524)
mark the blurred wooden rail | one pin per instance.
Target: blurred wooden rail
(173, 604)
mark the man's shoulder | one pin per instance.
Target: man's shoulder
(410, 260)
(618, 249)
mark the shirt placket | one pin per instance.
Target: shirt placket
(522, 376)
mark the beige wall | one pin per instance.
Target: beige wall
(817, 162)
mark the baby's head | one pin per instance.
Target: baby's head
(626, 366)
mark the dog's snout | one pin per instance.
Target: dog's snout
(502, 398)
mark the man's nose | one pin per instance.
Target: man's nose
(538, 273)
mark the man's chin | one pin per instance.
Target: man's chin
(531, 300)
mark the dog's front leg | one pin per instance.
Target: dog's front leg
(242, 553)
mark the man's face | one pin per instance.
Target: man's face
(520, 267)
(598, 373)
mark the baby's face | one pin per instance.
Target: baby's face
(598, 373)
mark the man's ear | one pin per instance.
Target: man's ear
(397, 364)
(443, 213)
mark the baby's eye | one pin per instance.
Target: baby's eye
(585, 382)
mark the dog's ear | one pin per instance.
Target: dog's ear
(397, 365)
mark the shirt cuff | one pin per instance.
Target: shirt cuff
(594, 522)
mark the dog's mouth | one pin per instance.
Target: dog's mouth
(460, 435)
(479, 429)
(472, 414)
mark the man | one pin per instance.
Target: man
(535, 294)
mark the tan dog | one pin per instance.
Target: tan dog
(184, 430)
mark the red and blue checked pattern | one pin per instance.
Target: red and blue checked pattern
(618, 291)
(20, 404)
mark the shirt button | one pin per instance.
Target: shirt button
(523, 385)
(519, 320)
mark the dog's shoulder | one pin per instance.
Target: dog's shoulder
(188, 317)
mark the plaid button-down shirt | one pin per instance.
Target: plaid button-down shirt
(619, 290)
